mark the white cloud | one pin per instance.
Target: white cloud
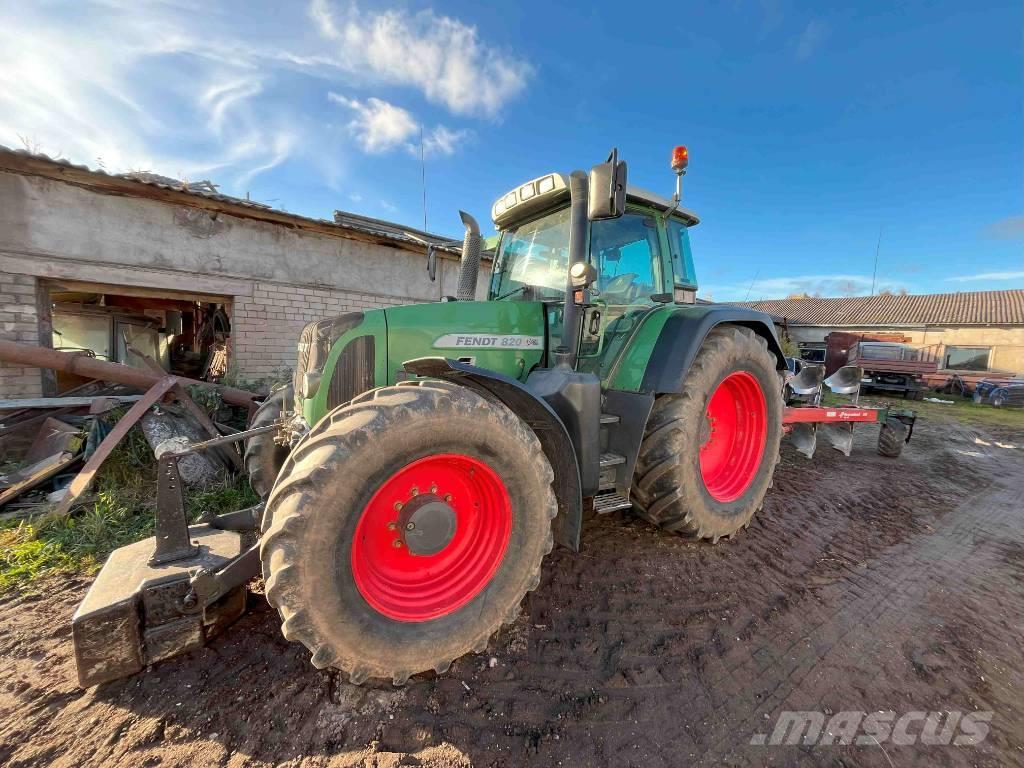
(814, 285)
(141, 86)
(1010, 228)
(442, 141)
(441, 56)
(220, 98)
(994, 276)
(378, 125)
(193, 89)
(814, 34)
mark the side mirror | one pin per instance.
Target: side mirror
(431, 263)
(607, 189)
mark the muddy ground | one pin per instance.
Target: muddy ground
(865, 584)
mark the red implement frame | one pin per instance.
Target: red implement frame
(822, 415)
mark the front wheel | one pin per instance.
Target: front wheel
(264, 457)
(405, 528)
(708, 453)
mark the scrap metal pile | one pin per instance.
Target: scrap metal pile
(51, 448)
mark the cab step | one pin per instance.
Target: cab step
(606, 503)
(611, 460)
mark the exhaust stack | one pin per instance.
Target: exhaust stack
(470, 265)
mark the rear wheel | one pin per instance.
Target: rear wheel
(406, 527)
(264, 457)
(708, 453)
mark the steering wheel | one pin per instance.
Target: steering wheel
(621, 283)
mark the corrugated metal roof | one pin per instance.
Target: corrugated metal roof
(966, 308)
(208, 190)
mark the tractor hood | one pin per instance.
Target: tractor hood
(341, 357)
(508, 337)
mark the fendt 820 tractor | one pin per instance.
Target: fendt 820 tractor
(426, 458)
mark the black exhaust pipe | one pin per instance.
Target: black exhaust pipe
(565, 354)
(470, 266)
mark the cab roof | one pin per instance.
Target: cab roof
(546, 193)
(646, 197)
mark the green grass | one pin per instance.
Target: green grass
(121, 510)
(963, 410)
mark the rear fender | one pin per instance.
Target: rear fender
(539, 416)
(683, 334)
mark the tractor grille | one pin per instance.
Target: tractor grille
(316, 340)
(353, 373)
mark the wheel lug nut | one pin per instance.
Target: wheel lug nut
(398, 506)
(410, 526)
(414, 491)
(433, 489)
(448, 497)
(396, 543)
(392, 525)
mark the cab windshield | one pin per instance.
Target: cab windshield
(533, 260)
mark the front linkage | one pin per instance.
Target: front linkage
(169, 594)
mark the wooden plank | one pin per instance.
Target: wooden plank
(62, 402)
(84, 478)
(39, 475)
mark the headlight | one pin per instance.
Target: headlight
(309, 384)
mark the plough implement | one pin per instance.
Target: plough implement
(804, 416)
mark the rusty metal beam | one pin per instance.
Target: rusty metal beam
(84, 478)
(84, 365)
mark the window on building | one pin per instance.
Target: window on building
(966, 358)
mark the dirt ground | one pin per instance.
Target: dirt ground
(865, 584)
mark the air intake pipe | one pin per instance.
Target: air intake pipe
(470, 268)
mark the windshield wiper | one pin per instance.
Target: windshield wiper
(513, 292)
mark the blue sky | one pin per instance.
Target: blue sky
(811, 126)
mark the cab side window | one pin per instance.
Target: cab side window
(682, 258)
(626, 253)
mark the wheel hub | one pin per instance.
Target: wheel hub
(431, 537)
(427, 525)
(732, 436)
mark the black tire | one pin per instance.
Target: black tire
(327, 483)
(669, 489)
(263, 457)
(891, 438)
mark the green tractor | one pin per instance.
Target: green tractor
(427, 457)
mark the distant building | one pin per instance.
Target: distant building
(194, 279)
(970, 333)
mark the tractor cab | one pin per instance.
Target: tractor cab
(640, 260)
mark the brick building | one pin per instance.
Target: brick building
(969, 333)
(141, 265)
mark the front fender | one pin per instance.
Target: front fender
(539, 416)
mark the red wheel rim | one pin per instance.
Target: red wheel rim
(416, 587)
(733, 438)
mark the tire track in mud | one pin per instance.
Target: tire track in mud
(865, 583)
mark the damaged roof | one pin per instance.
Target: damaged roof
(205, 194)
(966, 308)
